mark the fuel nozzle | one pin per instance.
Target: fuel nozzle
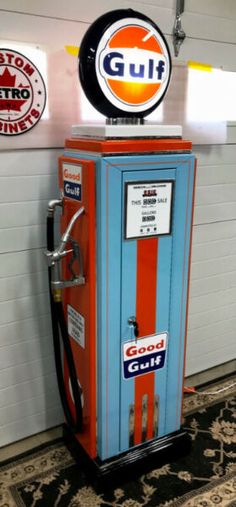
(54, 257)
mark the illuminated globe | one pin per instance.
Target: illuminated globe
(124, 64)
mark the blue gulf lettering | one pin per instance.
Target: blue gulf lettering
(160, 69)
(145, 364)
(118, 69)
(136, 73)
(150, 69)
(72, 190)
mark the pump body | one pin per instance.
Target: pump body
(127, 322)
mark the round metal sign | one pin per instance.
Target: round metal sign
(124, 64)
(22, 93)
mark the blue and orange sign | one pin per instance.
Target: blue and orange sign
(129, 64)
(133, 67)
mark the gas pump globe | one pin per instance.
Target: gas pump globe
(119, 278)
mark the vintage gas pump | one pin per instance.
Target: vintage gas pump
(119, 277)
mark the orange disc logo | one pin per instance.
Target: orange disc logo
(133, 65)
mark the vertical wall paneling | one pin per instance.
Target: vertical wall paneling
(212, 324)
(29, 400)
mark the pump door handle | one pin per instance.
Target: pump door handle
(133, 322)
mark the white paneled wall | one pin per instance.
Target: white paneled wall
(29, 399)
(212, 312)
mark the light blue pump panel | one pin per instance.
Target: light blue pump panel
(179, 285)
(108, 332)
(163, 321)
(128, 292)
(128, 307)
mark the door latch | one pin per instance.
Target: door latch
(133, 322)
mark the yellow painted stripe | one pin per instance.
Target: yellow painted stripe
(200, 66)
(72, 50)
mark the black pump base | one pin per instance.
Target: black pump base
(137, 460)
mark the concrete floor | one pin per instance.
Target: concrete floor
(12, 450)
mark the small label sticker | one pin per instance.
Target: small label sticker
(148, 208)
(76, 326)
(72, 179)
(144, 355)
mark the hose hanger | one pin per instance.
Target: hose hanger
(178, 33)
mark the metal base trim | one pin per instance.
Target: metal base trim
(149, 454)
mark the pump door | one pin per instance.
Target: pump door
(144, 262)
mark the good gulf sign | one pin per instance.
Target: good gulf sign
(124, 64)
(144, 355)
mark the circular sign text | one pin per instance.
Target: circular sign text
(125, 64)
(22, 93)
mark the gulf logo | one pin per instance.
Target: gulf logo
(133, 65)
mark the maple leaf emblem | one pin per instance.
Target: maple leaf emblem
(9, 92)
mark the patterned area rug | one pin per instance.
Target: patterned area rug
(48, 476)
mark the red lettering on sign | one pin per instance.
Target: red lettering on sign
(133, 350)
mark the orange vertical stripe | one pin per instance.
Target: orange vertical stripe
(92, 307)
(147, 253)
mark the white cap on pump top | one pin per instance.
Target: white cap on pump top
(126, 131)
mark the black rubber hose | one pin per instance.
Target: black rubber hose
(59, 331)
